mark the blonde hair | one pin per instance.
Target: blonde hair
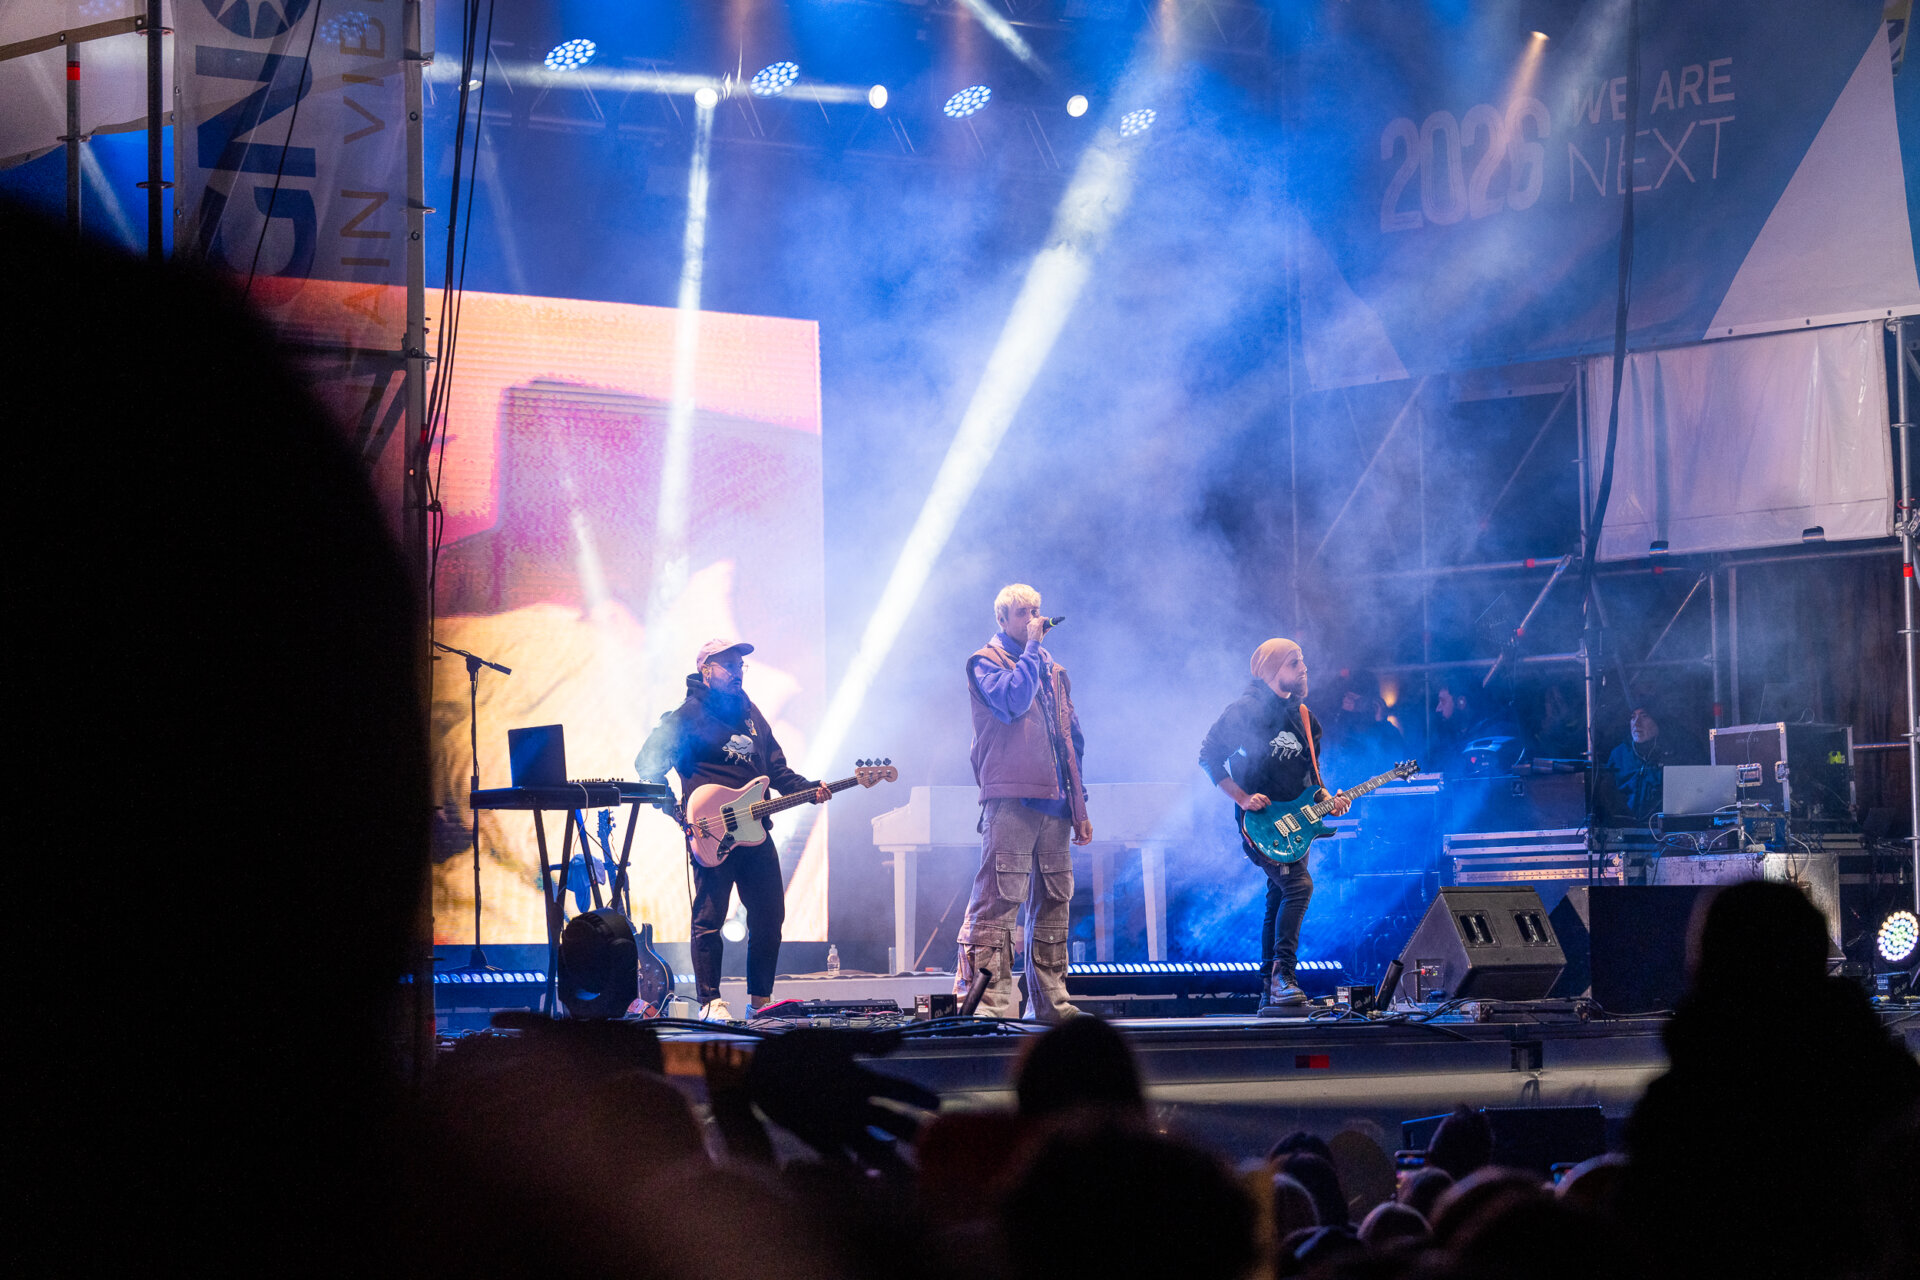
(1017, 593)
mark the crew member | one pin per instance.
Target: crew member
(1638, 767)
(1027, 751)
(718, 736)
(1265, 748)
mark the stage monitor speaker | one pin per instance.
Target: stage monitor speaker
(1626, 945)
(1487, 942)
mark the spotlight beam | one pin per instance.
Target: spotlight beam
(1002, 30)
(1101, 186)
(665, 646)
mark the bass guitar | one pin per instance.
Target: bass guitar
(1284, 832)
(722, 819)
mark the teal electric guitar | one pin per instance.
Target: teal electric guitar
(1284, 832)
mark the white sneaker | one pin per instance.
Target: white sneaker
(715, 1011)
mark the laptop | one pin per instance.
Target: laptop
(1699, 789)
(538, 756)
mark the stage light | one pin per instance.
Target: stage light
(967, 101)
(706, 96)
(877, 96)
(1898, 934)
(1137, 122)
(473, 84)
(1539, 35)
(772, 81)
(569, 54)
(734, 928)
(1077, 105)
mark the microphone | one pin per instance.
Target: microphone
(1054, 622)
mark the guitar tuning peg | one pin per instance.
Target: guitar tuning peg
(888, 760)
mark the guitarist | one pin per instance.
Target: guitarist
(717, 735)
(1261, 751)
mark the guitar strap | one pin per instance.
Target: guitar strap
(1306, 727)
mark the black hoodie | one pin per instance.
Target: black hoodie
(716, 737)
(1257, 740)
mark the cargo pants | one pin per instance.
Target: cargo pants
(1024, 859)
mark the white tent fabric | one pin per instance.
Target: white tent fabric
(1746, 443)
(113, 75)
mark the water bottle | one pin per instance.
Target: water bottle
(833, 961)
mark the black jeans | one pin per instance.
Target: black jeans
(755, 870)
(1289, 890)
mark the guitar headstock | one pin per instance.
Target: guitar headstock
(873, 772)
(606, 824)
(1406, 768)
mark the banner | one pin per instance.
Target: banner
(1458, 178)
(1750, 443)
(291, 171)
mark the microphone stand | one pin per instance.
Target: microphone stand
(477, 962)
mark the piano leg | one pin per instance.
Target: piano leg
(1153, 885)
(1101, 856)
(906, 888)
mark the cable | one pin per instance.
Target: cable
(453, 284)
(273, 194)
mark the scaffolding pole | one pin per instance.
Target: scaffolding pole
(1903, 493)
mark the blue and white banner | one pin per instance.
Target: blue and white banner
(291, 158)
(1458, 177)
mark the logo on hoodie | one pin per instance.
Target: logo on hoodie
(1284, 745)
(739, 749)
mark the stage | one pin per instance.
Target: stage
(1241, 1082)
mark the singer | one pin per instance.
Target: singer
(1027, 750)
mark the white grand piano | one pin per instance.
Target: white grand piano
(1143, 817)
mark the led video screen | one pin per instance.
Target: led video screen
(556, 561)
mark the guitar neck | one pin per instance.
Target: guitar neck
(1325, 807)
(766, 807)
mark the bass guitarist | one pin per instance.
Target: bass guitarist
(718, 736)
(1265, 747)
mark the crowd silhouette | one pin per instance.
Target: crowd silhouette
(220, 644)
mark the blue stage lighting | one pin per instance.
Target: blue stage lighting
(1077, 105)
(569, 54)
(1137, 121)
(967, 101)
(877, 96)
(772, 81)
(706, 96)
